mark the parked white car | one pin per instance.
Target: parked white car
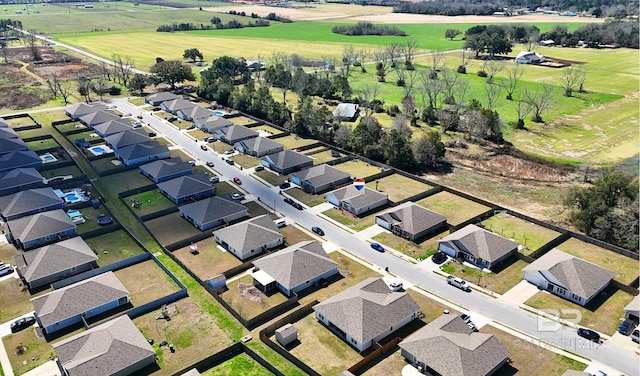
(459, 283)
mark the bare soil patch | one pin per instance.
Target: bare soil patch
(404, 18)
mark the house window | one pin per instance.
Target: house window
(561, 291)
(576, 297)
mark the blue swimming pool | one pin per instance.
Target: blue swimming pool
(98, 149)
(219, 113)
(71, 197)
(48, 158)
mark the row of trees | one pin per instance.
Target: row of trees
(367, 28)
(623, 33)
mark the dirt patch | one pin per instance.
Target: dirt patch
(66, 66)
(250, 292)
(424, 18)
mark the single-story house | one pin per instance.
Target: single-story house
(529, 57)
(157, 98)
(166, 169)
(347, 111)
(53, 262)
(249, 238)
(212, 123)
(110, 127)
(356, 201)
(286, 334)
(88, 298)
(175, 105)
(258, 146)
(192, 113)
(187, 188)
(255, 65)
(8, 145)
(29, 202)
(568, 276)
(18, 179)
(320, 178)
(411, 221)
(98, 117)
(447, 346)
(286, 162)
(19, 159)
(7, 133)
(115, 347)
(38, 229)
(477, 246)
(212, 212)
(78, 110)
(127, 138)
(366, 312)
(296, 267)
(234, 133)
(632, 310)
(547, 43)
(142, 153)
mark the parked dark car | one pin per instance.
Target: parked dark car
(626, 327)
(285, 185)
(288, 200)
(439, 257)
(377, 247)
(22, 323)
(297, 205)
(152, 134)
(172, 118)
(589, 334)
(317, 230)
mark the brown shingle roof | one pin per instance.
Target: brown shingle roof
(412, 218)
(480, 242)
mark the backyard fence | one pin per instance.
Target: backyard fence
(376, 353)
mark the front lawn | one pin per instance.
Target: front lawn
(14, 299)
(528, 234)
(347, 219)
(293, 235)
(420, 250)
(271, 177)
(246, 160)
(398, 187)
(113, 246)
(304, 197)
(500, 281)
(457, 209)
(34, 351)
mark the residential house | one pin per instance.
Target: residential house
(320, 178)
(19, 159)
(38, 229)
(212, 212)
(296, 267)
(166, 169)
(249, 238)
(477, 246)
(85, 299)
(233, 134)
(447, 346)
(157, 98)
(568, 276)
(192, 113)
(187, 188)
(411, 221)
(8, 145)
(7, 133)
(547, 43)
(18, 179)
(127, 138)
(173, 106)
(115, 347)
(356, 201)
(212, 123)
(98, 117)
(110, 127)
(143, 152)
(632, 310)
(78, 110)
(258, 146)
(366, 312)
(286, 162)
(45, 265)
(529, 57)
(255, 65)
(347, 111)
(29, 202)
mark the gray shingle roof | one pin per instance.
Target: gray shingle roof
(367, 309)
(184, 186)
(126, 138)
(28, 200)
(18, 177)
(17, 159)
(250, 234)
(260, 144)
(177, 104)
(104, 349)
(8, 133)
(54, 258)
(98, 117)
(412, 218)
(212, 209)
(80, 109)
(196, 112)
(358, 198)
(112, 127)
(578, 276)
(480, 242)
(39, 225)
(213, 122)
(450, 347)
(77, 298)
(235, 133)
(321, 175)
(297, 264)
(143, 149)
(166, 167)
(8, 145)
(288, 158)
(161, 97)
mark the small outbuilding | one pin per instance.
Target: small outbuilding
(286, 334)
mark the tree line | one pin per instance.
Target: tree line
(367, 28)
(622, 33)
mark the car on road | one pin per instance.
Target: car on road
(22, 323)
(259, 168)
(237, 196)
(377, 247)
(439, 257)
(214, 179)
(396, 286)
(288, 200)
(139, 117)
(237, 180)
(285, 185)
(317, 230)
(229, 152)
(127, 114)
(137, 124)
(297, 205)
(6, 271)
(204, 147)
(230, 161)
(459, 283)
(589, 334)
(209, 164)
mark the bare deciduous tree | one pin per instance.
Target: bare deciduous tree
(572, 79)
(513, 78)
(493, 68)
(449, 118)
(369, 95)
(383, 63)
(349, 56)
(533, 36)
(492, 92)
(32, 41)
(105, 70)
(362, 55)
(449, 82)
(437, 60)
(409, 51)
(4, 47)
(431, 90)
(465, 59)
(394, 51)
(65, 89)
(474, 124)
(52, 80)
(523, 108)
(540, 100)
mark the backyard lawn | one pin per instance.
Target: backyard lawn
(603, 313)
(420, 250)
(241, 364)
(304, 197)
(62, 171)
(151, 202)
(293, 141)
(501, 280)
(146, 282)
(398, 187)
(171, 228)
(457, 209)
(47, 143)
(626, 268)
(266, 128)
(250, 302)
(347, 219)
(91, 219)
(36, 350)
(322, 157)
(357, 168)
(210, 260)
(126, 180)
(113, 246)
(246, 160)
(530, 235)
(241, 120)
